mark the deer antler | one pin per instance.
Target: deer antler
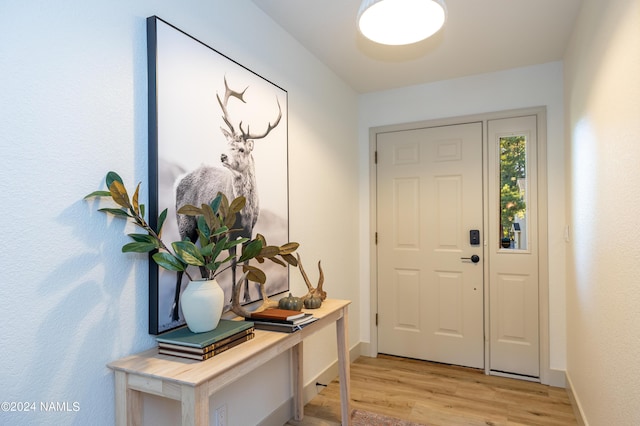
(318, 291)
(270, 127)
(223, 104)
(225, 114)
(241, 310)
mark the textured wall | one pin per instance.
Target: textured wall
(603, 106)
(73, 105)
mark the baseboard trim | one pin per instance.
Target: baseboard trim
(575, 402)
(326, 376)
(280, 415)
(284, 412)
(557, 378)
(366, 349)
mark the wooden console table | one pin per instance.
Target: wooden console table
(193, 382)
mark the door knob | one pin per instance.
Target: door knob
(475, 258)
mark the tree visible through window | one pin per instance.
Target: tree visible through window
(513, 206)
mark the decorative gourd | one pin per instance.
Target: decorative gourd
(290, 302)
(313, 302)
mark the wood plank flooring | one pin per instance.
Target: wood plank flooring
(436, 394)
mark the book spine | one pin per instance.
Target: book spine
(277, 314)
(230, 345)
(208, 355)
(208, 348)
(184, 337)
(284, 328)
(282, 321)
(279, 321)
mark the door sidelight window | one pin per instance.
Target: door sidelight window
(513, 192)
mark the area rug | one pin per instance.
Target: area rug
(367, 418)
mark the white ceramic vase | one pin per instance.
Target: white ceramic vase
(202, 303)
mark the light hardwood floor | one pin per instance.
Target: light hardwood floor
(435, 394)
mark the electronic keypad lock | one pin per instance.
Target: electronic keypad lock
(474, 237)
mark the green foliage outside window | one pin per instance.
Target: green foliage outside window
(513, 162)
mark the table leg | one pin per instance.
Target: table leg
(298, 386)
(344, 366)
(195, 406)
(128, 402)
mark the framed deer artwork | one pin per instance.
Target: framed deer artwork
(214, 126)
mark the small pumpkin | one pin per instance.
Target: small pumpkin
(313, 302)
(290, 302)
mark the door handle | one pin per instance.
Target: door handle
(475, 258)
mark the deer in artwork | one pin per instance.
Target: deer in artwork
(235, 178)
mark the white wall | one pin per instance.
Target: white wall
(603, 295)
(73, 106)
(533, 86)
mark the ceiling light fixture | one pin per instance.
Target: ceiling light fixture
(397, 22)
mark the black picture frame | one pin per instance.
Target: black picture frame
(187, 82)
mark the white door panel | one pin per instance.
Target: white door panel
(513, 272)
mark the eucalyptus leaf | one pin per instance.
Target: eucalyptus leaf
(188, 252)
(278, 261)
(213, 266)
(289, 248)
(237, 205)
(231, 219)
(139, 247)
(119, 194)
(201, 237)
(291, 260)
(227, 259)
(221, 230)
(223, 207)
(168, 261)
(219, 246)
(203, 229)
(189, 210)
(269, 251)
(254, 274)
(161, 218)
(136, 206)
(236, 242)
(215, 203)
(143, 238)
(111, 177)
(98, 194)
(115, 212)
(207, 250)
(209, 217)
(251, 250)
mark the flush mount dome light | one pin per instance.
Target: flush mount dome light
(397, 22)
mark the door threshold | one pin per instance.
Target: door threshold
(514, 376)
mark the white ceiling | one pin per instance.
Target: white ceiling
(479, 36)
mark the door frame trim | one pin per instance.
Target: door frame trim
(543, 262)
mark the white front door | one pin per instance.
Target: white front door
(430, 292)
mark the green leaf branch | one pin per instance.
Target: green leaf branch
(215, 229)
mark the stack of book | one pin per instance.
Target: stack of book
(200, 346)
(283, 320)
